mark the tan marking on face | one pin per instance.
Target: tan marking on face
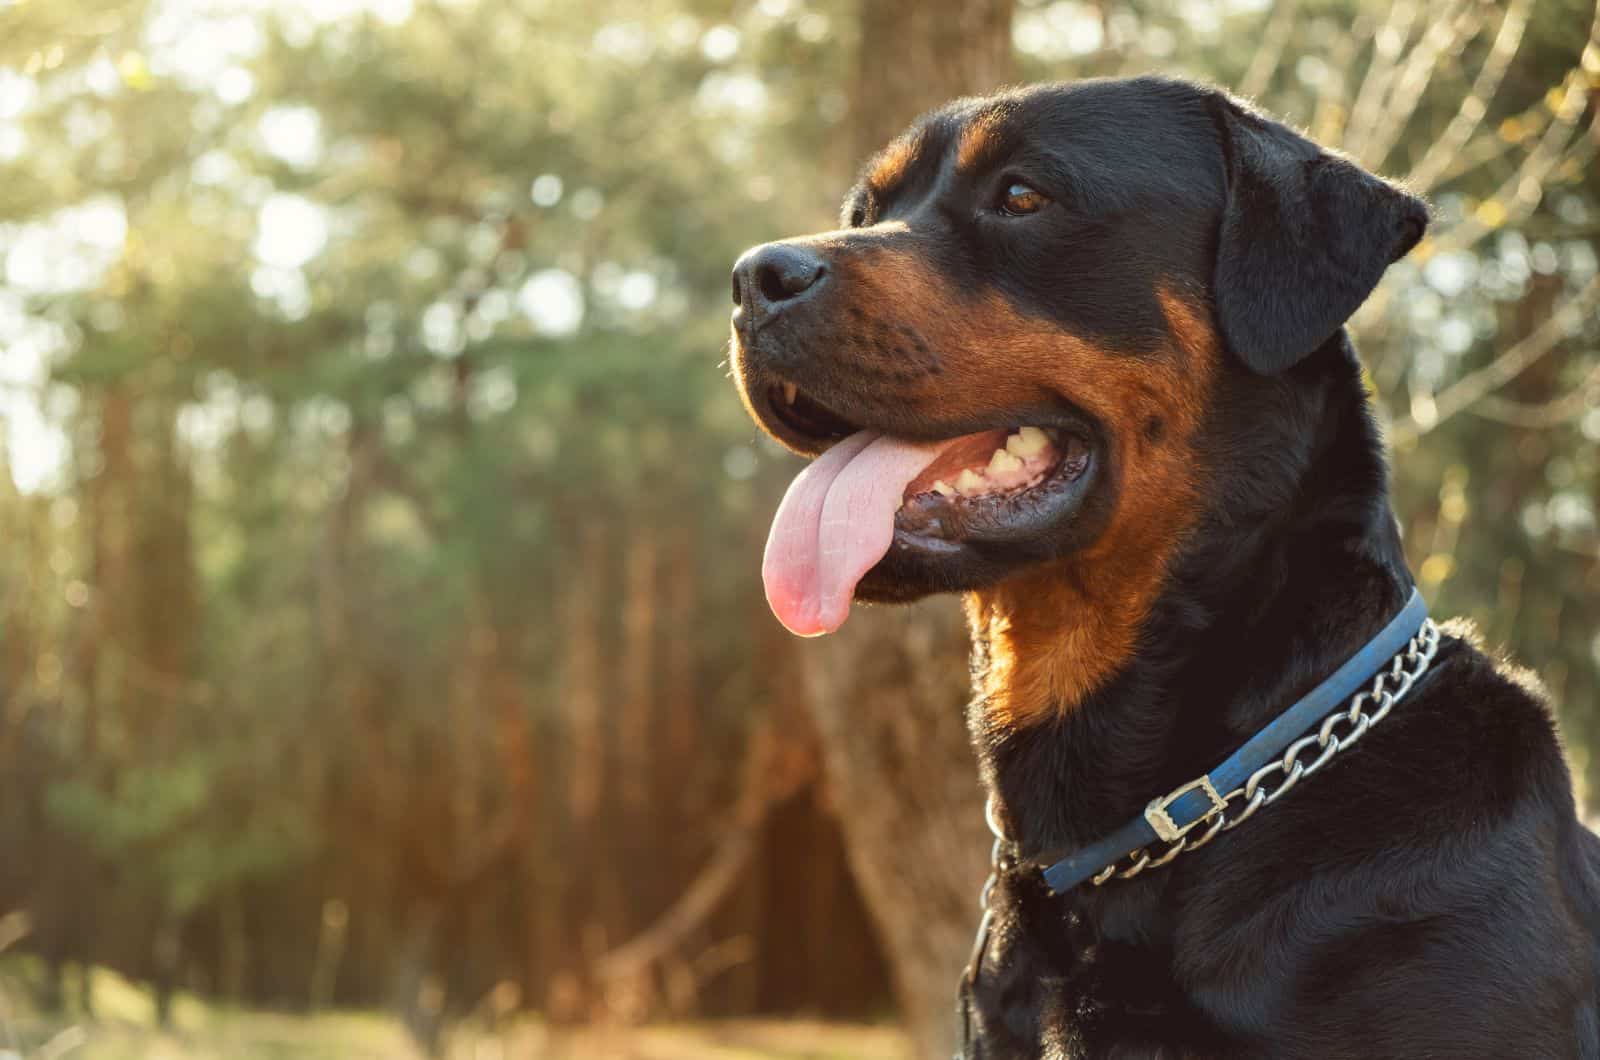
(1057, 633)
(978, 139)
(891, 164)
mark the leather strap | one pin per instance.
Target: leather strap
(1169, 817)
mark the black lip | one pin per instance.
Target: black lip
(1070, 512)
(934, 524)
(808, 419)
(761, 390)
(843, 415)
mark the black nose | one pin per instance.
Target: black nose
(767, 279)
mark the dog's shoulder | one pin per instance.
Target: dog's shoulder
(1485, 713)
(1444, 846)
(1471, 754)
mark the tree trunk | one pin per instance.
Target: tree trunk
(914, 55)
(635, 722)
(888, 690)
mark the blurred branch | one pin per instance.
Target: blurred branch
(1470, 114)
(773, 774)
(482, 852)
(1454, 26)
(1520, 193)
(1480, 151)
(1387, 46)
(1589, 230)
(1330, 114)
(14, 927)
(1545, 414)
(691, 909)
(1270, 52)
(1429, 411)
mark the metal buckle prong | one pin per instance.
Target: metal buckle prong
(1168, 829)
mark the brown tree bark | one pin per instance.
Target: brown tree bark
(635, 724)
(914, 55)
(887, 691)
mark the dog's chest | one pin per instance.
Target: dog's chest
(1053, 983)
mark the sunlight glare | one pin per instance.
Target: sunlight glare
(290, 231)
(235, 85)
(552, 300)
(292, 134)
(34, 448)
(16, 93)
(68, 252)
(1059, 31)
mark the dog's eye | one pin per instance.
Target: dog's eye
(1019, 199)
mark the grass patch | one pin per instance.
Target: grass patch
(124, 1029)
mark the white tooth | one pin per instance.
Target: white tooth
(969, 482)
(789, 393)
(1029, 441)
(943, 488)
(1002, 461)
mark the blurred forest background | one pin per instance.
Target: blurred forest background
(380, 624)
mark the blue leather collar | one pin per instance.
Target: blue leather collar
(1171, 816)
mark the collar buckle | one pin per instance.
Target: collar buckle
(1159, 814)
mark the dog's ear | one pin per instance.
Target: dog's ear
(1305, 237)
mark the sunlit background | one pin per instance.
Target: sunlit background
(383, 665)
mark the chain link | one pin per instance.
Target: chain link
(1366, 708)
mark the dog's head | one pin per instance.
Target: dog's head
(1006, 353)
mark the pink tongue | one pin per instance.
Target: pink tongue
(834, 524)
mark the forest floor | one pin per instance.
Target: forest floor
(344, 1036)
(123, 1030)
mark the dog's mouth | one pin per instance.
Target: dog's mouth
(871, 491)
(983, 481)
(806, 423)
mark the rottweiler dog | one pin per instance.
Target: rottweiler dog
(1078, 352)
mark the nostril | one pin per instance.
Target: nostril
(765, 278)
(773, 283)
(785, 279)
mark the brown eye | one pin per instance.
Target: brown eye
(1020, 199)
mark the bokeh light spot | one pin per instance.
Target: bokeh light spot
(290, 231)
(552, 300)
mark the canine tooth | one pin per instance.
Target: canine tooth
(1002, 462)
(790, 391)
(1029, 441)
(969, 482)
(943, 488)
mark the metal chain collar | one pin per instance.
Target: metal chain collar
(1366, 708)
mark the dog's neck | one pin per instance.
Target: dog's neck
(1247, 613)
